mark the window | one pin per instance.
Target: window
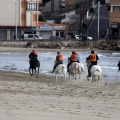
(30, 36)
(31, 6)
(36, 36)
(116, 8)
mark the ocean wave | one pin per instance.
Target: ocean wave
(6, 53)
(116, 53)
(108, 67)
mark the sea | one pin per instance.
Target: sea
(19, 62)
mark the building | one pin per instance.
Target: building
(18, 14)
(58, 5)
(114, 17)
(50, 29)
(18, 17)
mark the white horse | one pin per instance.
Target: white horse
(76, 69)
(61, 70)
(96, 71)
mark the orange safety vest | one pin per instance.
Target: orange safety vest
(93, 58)
(60, 57)
(73, 57)
(35, 53)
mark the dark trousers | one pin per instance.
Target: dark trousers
(69, 65)
(56, 64)
(90, 66)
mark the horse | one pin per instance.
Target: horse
(75, 69)
(60, 69)
(96, 71)
(33, 65)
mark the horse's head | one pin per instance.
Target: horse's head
(88, 62)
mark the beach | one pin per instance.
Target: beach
(23, 97)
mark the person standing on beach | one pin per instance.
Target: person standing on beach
(93, 59)
(58, 60)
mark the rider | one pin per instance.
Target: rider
(72, 59)
(59, 60)
(93, 59)
(33, 55)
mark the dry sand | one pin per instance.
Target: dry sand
(23, 97)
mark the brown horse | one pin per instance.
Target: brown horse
(34, 64)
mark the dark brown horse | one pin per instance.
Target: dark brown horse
(34, 65)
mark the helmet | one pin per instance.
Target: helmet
(92, 51)
(73, 52)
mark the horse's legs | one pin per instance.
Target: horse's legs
(32, 72)
(29, 70)
(98, 79)
(56, 77)
(79, 75)
(92, 79)
(75, 77)
(35, 71)
(38, 70)
(69, 77)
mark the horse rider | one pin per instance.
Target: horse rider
(93, 59)
(78, 57)
(72, 59)
(33, 55)
(59, 60)
(119, 66)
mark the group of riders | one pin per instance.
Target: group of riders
(93, 57)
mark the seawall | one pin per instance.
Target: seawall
(71, 44)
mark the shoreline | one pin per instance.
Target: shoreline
(23, 49)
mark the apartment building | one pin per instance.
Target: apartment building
(18, 14)
(58, 5)
(114, 17)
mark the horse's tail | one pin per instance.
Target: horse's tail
(82, 67)
(76, 65)
(63, 68)
(76, 68)
(97, 72)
